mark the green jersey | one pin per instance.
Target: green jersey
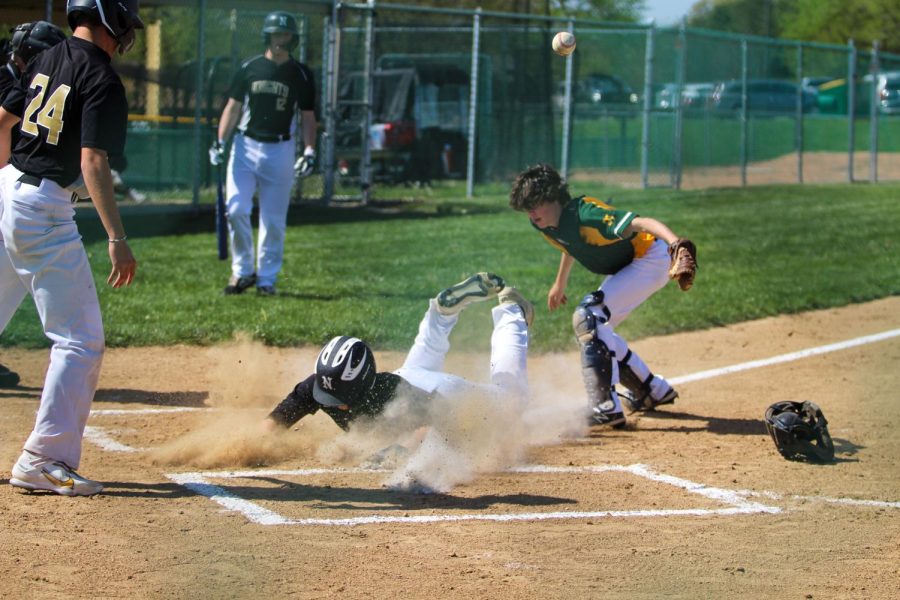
(591, 232)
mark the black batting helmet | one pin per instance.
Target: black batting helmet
(120, 17)
(30, 39)
(799, 430)
(345, 371)
(281, 22)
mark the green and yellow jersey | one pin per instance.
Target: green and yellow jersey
(591, 232)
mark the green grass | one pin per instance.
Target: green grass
(369, 272)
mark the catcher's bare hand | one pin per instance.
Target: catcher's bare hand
(556, 297)
(683, 262)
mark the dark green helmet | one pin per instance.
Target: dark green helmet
(281, 22)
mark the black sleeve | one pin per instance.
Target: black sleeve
(298, 404)
(238, 87)
(307, 97)
(7, 82)
(104, 118)
(14, 101)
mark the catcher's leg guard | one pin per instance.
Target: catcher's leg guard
(598, 370)
(641, 385)
(636, 378)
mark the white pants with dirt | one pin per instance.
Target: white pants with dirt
(624, 292)
(266, 168)
(44, 247)
(424, 364)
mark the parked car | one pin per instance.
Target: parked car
(598, 90)
(763, 96)
(666, 97)
(833, 95)
(888, 90)
(693, 95)
(418, 128)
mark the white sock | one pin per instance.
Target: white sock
(32, 460)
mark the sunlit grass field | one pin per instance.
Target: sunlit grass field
(369, 271)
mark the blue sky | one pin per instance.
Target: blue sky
(666, 12)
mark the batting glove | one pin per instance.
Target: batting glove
(306, 163)
(217, 153)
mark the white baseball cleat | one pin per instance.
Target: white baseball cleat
(52, 476)
(510, 295)
(478, 287)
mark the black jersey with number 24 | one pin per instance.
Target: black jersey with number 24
(271, 94)
(69, 98)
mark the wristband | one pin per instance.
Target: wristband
(119, 239)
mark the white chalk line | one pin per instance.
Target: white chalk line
(826, 499)
(100, 437)
(199, 483)
(105, 412)
(790, 356)
(708, 374)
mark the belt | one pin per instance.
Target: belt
(31, 179)
(261, 137)
(37, 181)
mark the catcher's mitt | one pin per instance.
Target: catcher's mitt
(683, 266)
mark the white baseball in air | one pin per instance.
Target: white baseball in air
(564, 43)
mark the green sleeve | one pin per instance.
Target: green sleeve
(608, 221)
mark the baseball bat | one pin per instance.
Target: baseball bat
(221, 217)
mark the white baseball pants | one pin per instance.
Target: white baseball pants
(269, 169)
(622, 293)
(44, 247)
(424, 364)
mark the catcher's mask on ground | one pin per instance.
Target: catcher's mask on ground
(345, 371)
(800, 431)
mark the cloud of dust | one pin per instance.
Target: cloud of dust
(250, 380)
(466, 435)
(236, 438)
(247, 374)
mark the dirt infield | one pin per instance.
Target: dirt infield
(688, 502)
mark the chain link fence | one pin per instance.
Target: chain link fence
(411, 95)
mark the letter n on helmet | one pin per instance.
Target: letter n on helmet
(345, 371)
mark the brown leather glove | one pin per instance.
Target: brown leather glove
(683, 265)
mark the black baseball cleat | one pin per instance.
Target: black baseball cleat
(478, 287)
(616, 420)
(645, 401)
(266, 290)
(237, 285)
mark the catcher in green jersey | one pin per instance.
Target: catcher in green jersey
(638, 255)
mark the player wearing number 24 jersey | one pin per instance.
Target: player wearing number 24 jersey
(73, 113)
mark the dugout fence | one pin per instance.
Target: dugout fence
(411, 94)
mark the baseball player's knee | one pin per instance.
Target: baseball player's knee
(584, 324)
(237, 210)
(589, 316)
